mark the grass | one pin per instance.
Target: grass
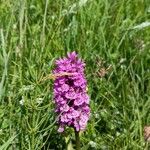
(104, 33)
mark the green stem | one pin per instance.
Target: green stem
(77, 140)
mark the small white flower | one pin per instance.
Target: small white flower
(97, 115)
(26, 88)
(92, 144)
(72, 9)
(123, 67)
(39, 100)
(122, 60)
(82, 2)
(21, 101)
(53, 17)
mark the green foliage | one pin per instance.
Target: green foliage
(34, 33)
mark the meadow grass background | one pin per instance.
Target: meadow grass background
(116, 33)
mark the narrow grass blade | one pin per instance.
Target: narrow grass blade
(5, 145)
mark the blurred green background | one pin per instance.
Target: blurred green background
(112, 37)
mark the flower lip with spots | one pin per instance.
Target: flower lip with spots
(70, 94)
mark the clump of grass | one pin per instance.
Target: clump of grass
(33, 34)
